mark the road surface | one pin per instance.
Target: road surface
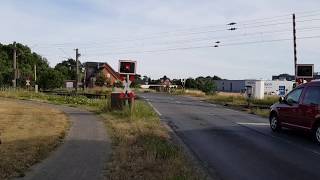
(237, 145)
(83, 154)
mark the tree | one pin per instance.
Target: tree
(68, 68)
(216, 78)
(209, 87)
(25, 62)
(51, 79)
(137, 81)
(191, 84)
(100, 79)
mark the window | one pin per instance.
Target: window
(294, 96)
(312, 96)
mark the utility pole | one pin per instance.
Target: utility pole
(77, 66)
(35, 73)
(14, 81)
(35, 79)
(295, 45)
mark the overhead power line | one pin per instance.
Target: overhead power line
(222, 28)
(212, 39)
(208, 46)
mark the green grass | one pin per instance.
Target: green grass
(241, 100)
(71, 100)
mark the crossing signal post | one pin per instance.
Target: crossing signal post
(127, 67)
(127, 71)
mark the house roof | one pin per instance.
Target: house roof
(111, 70)
(100, 65)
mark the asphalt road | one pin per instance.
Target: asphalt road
(83, 154)
(236, 145)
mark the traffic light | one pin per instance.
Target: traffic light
(127, 67)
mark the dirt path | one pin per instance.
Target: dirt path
(83, 154)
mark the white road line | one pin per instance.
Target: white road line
(253, 124)
(178, 102)
(155, 109)
(231, 110)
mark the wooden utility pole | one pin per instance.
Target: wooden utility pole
(77, 66)
(35, 79)
(35, 73)
(14, 81)
(295, 45)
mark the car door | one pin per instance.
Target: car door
(289, 110)
(309, 107)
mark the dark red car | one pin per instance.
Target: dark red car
(300, 109)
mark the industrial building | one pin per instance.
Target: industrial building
(271, 87)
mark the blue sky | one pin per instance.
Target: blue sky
(148, 30)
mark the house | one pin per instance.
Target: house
(70, 84)
(92, 70)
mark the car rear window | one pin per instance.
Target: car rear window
(312, 96)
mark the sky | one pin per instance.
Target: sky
(175, 38)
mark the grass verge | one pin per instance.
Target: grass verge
(236, 101)
(28, 134)
(143, 149)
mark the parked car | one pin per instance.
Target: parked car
(300, 109)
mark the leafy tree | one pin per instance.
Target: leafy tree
(51, 79)
(191, 84)
(100, 79)
(25, 63)
(68, 68)
(177, 82)
(208, 87)
(137, 81)
(216, 78)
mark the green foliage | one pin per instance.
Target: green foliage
(141, 111)
(71, 100)
(51, 79)
(101, 79)
(68, 69)
(26, 59)
(48, 78)
(206, 84)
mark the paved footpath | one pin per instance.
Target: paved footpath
(83, 154)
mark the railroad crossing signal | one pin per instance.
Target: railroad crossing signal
(127, 67)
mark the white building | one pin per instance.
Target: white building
(270, 87)
(277, 87)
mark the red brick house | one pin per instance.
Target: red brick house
(92, 70)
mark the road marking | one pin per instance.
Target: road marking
(253, 124)
(178, 102)
(155, 109)
(231, 110)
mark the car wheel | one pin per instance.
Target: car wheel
(317, 134)
(274, 123)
